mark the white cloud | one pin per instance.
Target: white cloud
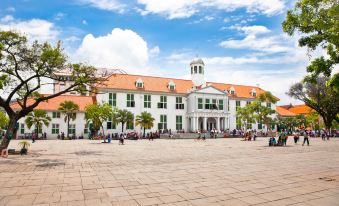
(7, 18)
(123, 49)
(255, 29)
(173, 9)
(109, 5)
(276, 81)
(154, 51)
(34, 29)
(84, 22)
(269, 44)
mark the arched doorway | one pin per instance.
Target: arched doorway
(211, 123)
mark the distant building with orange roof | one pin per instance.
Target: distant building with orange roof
(298, 109)
(284, 112)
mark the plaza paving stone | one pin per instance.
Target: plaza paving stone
(171, 172)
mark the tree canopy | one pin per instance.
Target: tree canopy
(145, 120)
(317, 23)
(324, 100)
(122, 116)
(70, 109)
(3, 120)
(38, 118)
(25, 68)
(97, 114)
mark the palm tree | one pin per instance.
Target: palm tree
(122, 116)
(38, 118)
(145, 120)
(68, 108)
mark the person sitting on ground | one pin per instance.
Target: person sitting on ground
(204, 136)
(199, 135)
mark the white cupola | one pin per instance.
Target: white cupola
(197, 72)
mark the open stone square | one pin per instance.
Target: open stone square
(172, 172)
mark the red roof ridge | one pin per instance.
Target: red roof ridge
(170, 78)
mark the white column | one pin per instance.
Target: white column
(225, 123)
(205, 124)
(197, 123)
(218, 123)
(193, 124)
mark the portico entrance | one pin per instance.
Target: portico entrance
(211, 123)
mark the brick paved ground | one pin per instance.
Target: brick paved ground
(172, 172)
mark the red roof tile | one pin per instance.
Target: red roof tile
(284, 112)
(160, 84)
(53, 104)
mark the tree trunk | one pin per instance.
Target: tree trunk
(144, 132)
(10, 132)
(37, 132)
(67, 127)
(103, 131)
(122, 126)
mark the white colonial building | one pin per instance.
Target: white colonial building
(176, 104)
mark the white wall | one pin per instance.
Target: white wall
(79, 123)
(171, 111)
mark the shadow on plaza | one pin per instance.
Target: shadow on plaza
(49, 163)
(85, 153)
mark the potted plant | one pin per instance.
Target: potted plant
(24, 147)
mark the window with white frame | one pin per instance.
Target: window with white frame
(163, 102)
(22, 128)
(55, 114)
(232, 90)
(139, 83)
(171, 85)
(163, 122)
(55, 128)
(112, 99)
(71, 129)
(200, 103)
(178, 103)
(221, 104)
(130, 100)
(178, 120)
(147, 101)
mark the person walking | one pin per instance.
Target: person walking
(33, 137)
(306, 138)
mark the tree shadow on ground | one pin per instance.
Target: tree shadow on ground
(83, 153)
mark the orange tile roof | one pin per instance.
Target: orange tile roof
(301, 109)
(159, 84)
(284, 112)
(53, 104)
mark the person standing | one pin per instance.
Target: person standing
(306, 138)
(33, 137)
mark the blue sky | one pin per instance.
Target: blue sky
(241, 41)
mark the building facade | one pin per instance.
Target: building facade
(178, 105)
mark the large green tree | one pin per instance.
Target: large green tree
(122, 116)
(263, 113)
(3, 120)
(38, 118)
(317, 22)
(323, 99)
(145, 120)
(97, 114)
(25, 68)
(69, 109)
(245, 115)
